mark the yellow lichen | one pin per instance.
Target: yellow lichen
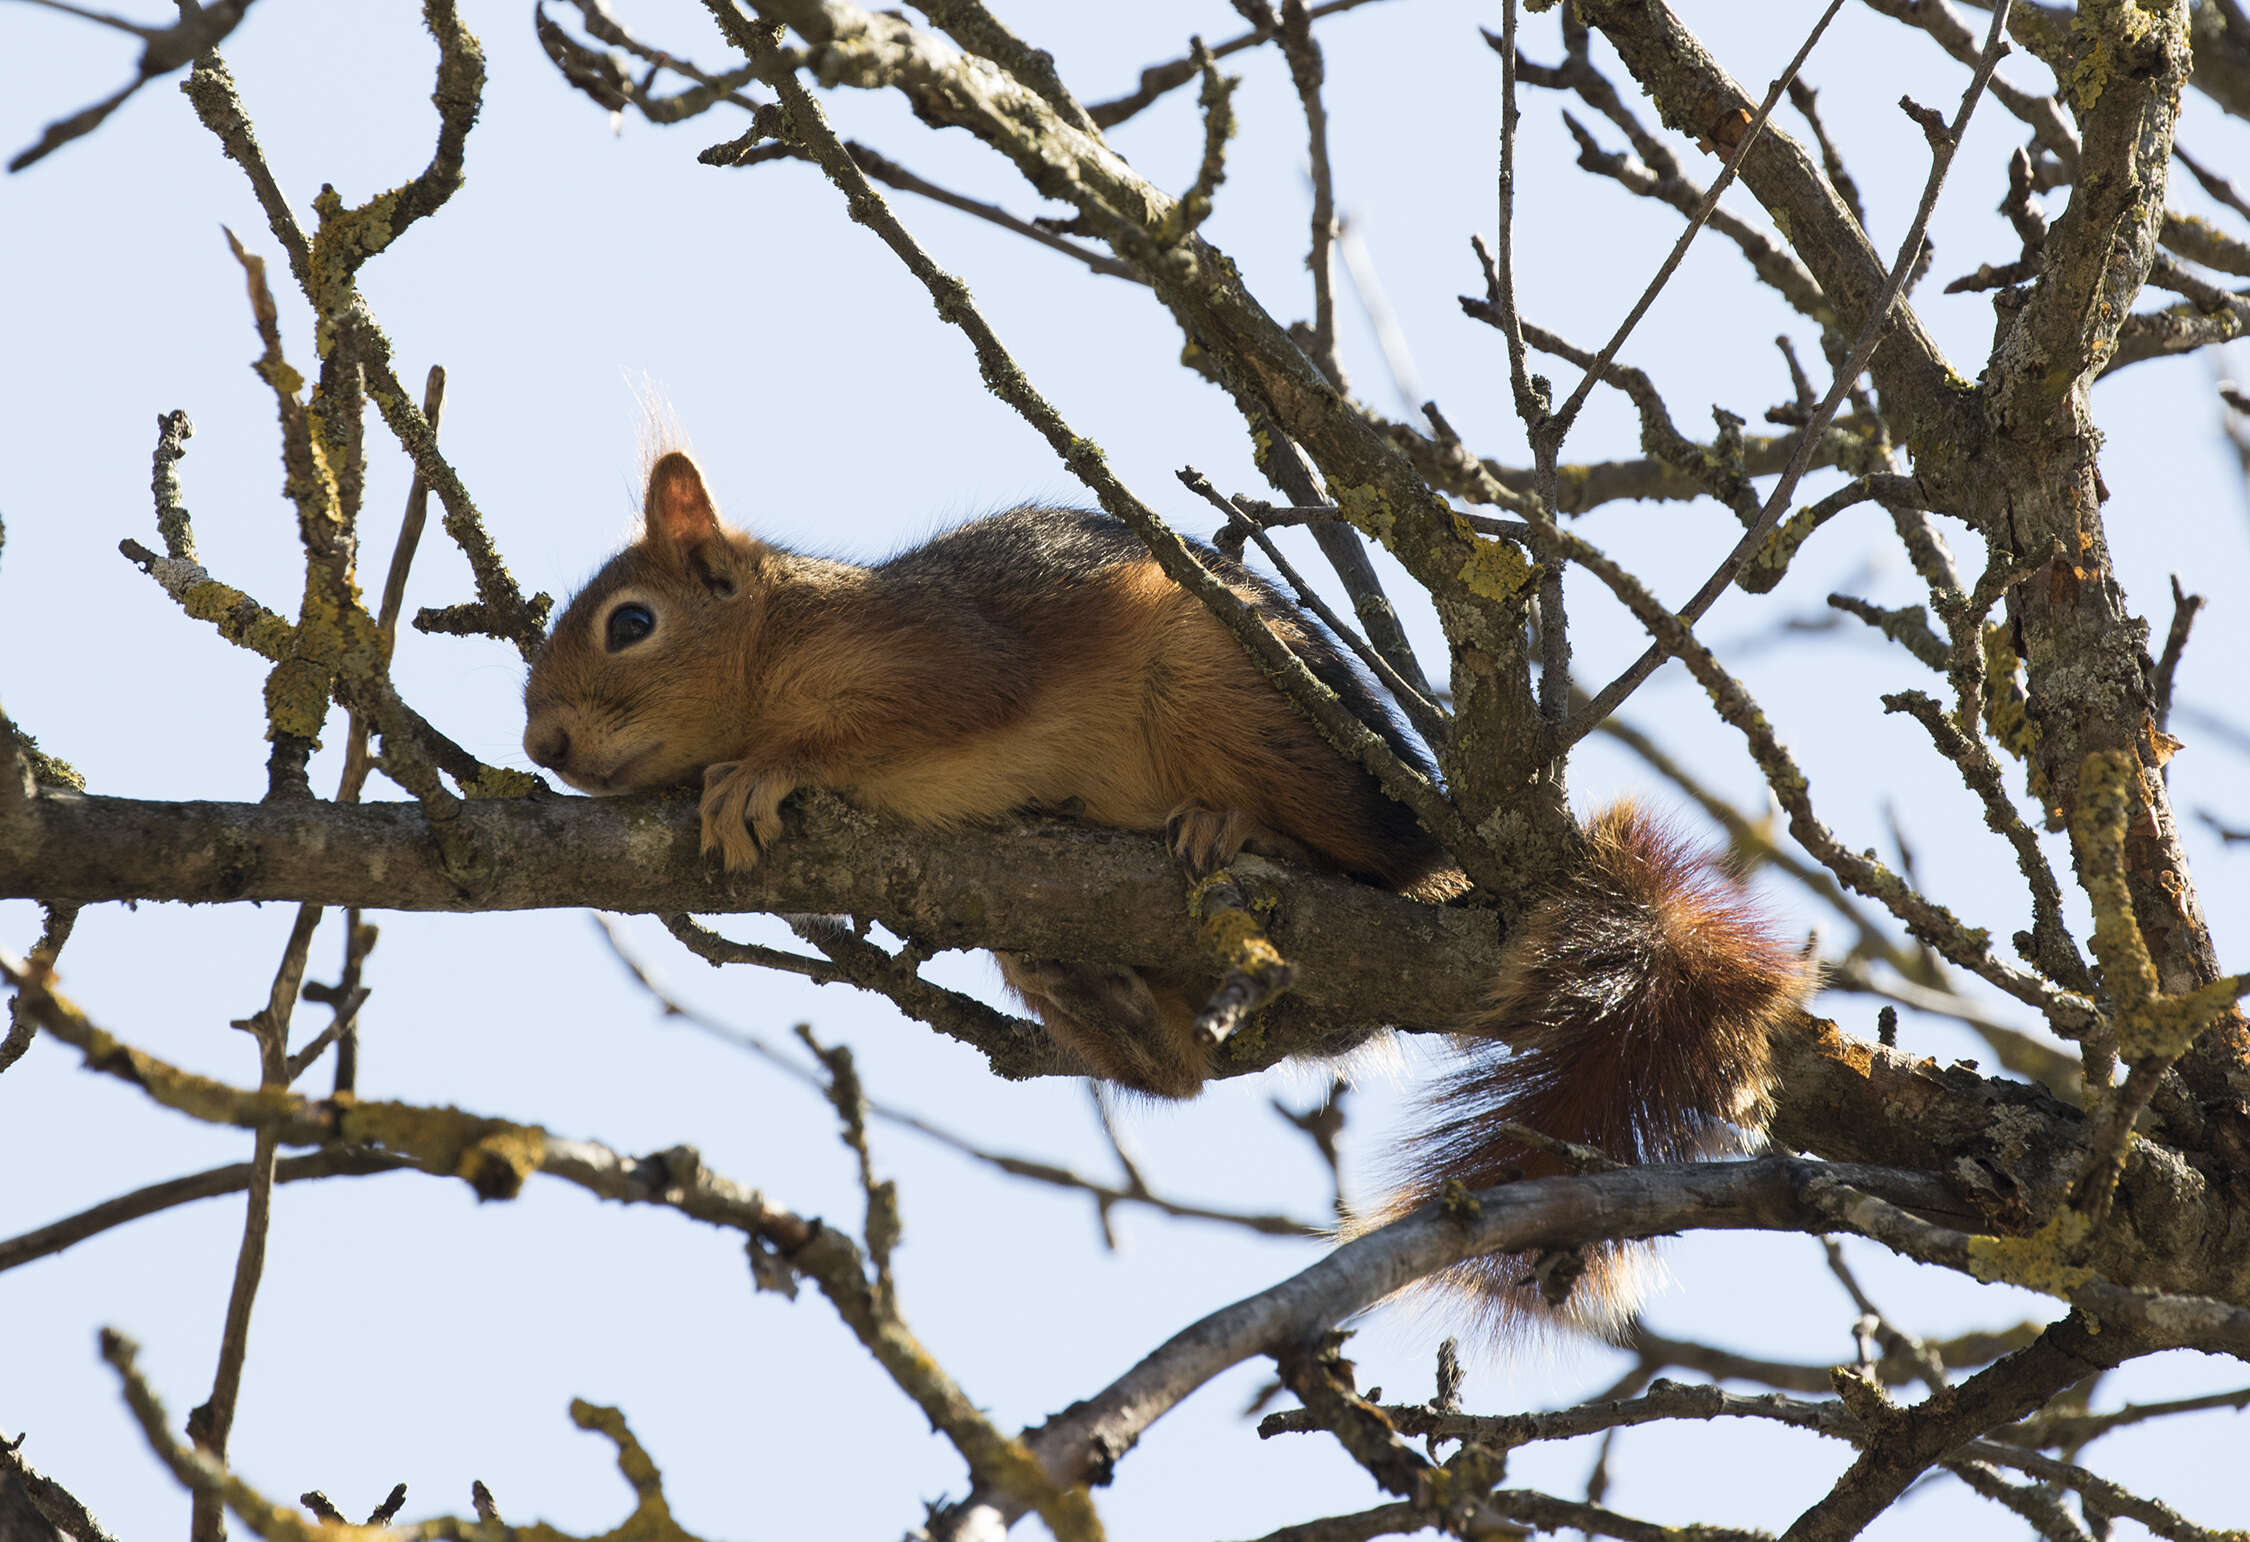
(1236, 940)
(239, 618)
(346, 238)
(1200, 890)
(2006, 711)
(2120, 36)
(1368, 510)
(2045, 1261)
(2151, 1025)
(499, 782)
(1495, 568)
(2107, 784)
(296, 700)
(494, 1156)
(1766, 566)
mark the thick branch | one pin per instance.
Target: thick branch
(1027, 885)
(1053, 888)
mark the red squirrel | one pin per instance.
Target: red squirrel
(1041, 659)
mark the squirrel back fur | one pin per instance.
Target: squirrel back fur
(1041, 659)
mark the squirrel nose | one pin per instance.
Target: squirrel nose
(549, 746)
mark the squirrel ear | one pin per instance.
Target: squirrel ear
(679, 511)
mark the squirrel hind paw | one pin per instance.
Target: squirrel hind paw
(741, 813)
(1203, 840)
(1126, 1028)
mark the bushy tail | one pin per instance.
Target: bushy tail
(1632, 1013)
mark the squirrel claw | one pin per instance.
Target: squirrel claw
(741, 813)
(1203, 840)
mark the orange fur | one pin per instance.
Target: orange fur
(1036, 659)
(1043, 659)
(1632, 1013)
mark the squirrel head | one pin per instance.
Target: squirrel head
(637, 684)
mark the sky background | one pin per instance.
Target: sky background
(405, 1332)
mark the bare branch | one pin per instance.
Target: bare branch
(1158, 79)
(163, 50)
(1104, 1195)
(110, 1214)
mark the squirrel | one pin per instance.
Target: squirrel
(1040, 658)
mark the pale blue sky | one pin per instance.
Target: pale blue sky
(405, 1332)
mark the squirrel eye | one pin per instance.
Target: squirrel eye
(627, 625)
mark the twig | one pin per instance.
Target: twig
(212, 1483)
(2042, 1508)
(1670, 1400)
(1533, 396)
(603, 78)
(2078, 1429)
(59, 1507)
(1908, 626)
(416, 515)
(1252, 971)
(1217, 101)
(110, 1214)
(1104, 1195)
(1306, 72)
(1031, 1050)
(2184, 607)
(1007, 380)
(163, 50)
(1322, 1124)
(881, 1231)
(1764, 570)
(2217, 186)
(1318, 1375)
(1284, 465)
(1568, 412)
(1807, 102)
(213, 1420)
(384, 1513)
(1658, 1353)
(344, 1024)
(2017, 1050)
(1657, 176)
(2051, 942)
(56, 923)
(1911, 1440)
(887, 171)
(978, 31)
(1382, 1521)
(1158, 79)
(1374, 303)
(1249, 519)
(1847, 376)
(2068, 1012)
(1893, 1340)
(2228, 835)
(219, 107)
(715, 950)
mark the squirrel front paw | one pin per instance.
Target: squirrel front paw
(741, 812)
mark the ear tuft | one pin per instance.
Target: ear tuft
(679, 511)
